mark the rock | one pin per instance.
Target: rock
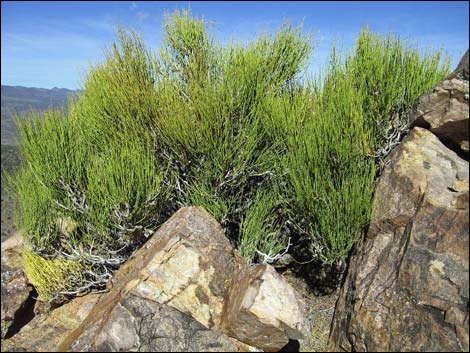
(170, 293)
(407, 287)
(173, 293)
(141, 324)
(462, 68)
(263, 310)
(444, 110)
(15, 290)
(45, 332)
(189, 266)
(14, 241)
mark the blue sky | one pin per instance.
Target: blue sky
(51, 44)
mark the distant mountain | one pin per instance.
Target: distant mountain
(20, 100)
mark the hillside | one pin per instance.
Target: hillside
(18, 99)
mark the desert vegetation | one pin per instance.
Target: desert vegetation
(277, 159)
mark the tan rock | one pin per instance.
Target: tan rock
(263, 310)
(460, 185)
(408, 283)
(444, 110)
(464, 146)
(169, 294)
(14, 241)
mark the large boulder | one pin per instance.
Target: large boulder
(15, 290)
(172, 293)
(444, 110)
(407, 287)
(140, 324)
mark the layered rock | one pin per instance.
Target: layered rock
(407, 287)
(171, 294)
(15, 290)
(444, 110)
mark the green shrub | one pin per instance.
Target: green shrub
(232, 129)
(347, 126)
(390, 74)
(96, 166)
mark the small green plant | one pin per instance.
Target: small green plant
(232, 129)
(50, 276)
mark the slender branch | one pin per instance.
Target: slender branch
(271, 259)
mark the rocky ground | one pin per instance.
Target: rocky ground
(186, 289)
(320, 310)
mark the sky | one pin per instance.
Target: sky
(52, 44)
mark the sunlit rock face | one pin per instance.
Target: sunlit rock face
(173, 292)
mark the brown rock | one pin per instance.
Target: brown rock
(140, 324)
(15, 290)
(45, 332)
(169, 294)
(407, 288)
(461, 201)
(444, 110)
(462, 68)
(263, 310)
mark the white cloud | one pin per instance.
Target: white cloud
(133, 6)
(141, 16)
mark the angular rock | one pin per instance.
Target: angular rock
(407, 287)
(444, 110)
(45, 332)
(15, 290)
(263, 310)
(186, 267)
(189, 268)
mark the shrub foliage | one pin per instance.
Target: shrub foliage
(234, 129)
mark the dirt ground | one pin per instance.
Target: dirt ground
(320, 310)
